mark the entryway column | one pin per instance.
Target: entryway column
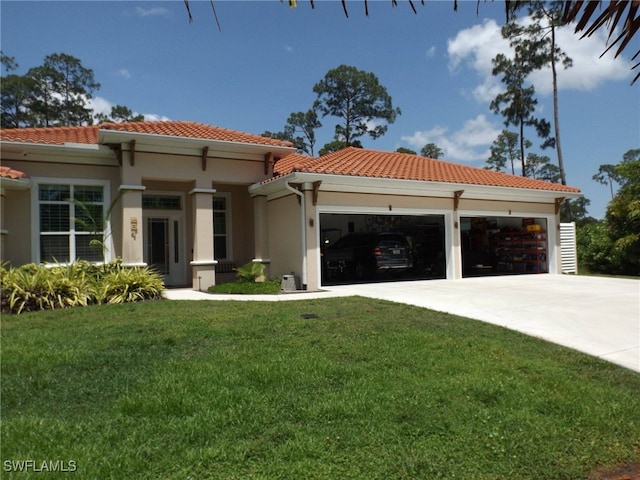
(203, 263)
(261, 231)
(132, 228)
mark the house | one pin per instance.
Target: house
(195, 201)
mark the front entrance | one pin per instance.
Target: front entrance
(164, 248)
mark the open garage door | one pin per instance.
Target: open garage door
(503, 246)
(373, 248)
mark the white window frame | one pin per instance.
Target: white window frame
(228, 222)
(35, 215)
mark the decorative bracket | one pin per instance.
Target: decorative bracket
(316, 189)
(205, 152)
(456, 199)
(558, 202)
(268, 162)
(132, 152)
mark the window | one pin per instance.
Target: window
(222, 226)
(68, 218)
(162, 202)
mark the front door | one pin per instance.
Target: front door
(164, 251)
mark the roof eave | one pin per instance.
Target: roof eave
(172, 143)
(390, 186)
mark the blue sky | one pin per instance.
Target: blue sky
(263, 64)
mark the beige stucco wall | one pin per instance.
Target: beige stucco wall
(18, 210)
(17, 222)
(284, 237)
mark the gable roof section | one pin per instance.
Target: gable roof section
(352, 161)
(89, 134)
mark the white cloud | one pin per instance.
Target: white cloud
(103, 106)
(152, 12)
(431, 52)
(475, 47)
(100, 105)
(124, 73)
(470, 143)
(288, 48)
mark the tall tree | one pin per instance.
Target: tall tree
(358, 100)
(306, 124)
(541, 168)
(503, 150)
(517, 103)
(431, 150)
(74, 84)
(14, 95)
(607, 176)
(537, 40)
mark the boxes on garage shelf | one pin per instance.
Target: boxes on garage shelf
(533, 228)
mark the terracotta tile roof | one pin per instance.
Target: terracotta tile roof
(7, 172)
(360, 162)
(51, 135)
(89, 134)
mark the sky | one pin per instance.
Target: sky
(264, 61)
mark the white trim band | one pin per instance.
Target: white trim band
(203, 263)
(210, 191)
(139, 188)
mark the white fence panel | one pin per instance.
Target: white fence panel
(568, 251)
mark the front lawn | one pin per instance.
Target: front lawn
(320, 389)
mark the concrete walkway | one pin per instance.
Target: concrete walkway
(595, 315)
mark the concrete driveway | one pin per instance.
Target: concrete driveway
(596, 315)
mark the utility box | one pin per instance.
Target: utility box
(290, 283)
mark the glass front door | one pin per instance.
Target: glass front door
(163, 248)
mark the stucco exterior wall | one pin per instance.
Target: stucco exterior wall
(285, 237)
(18, 207)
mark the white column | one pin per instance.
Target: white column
(132, 225)
(203, 263)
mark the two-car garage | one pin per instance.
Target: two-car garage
(353, 246)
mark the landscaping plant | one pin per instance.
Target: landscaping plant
(34, 287)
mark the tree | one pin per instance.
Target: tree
(607, 176)
(304, 123)
(538, 44)
(517, 103)
(62, 87)
(576, 211)
(406, 150)
(541, 168)
(358, 100)
(337, 145)
(55, 93)
(119, 113)
(431, 150)
(623, 214)
(503, 150)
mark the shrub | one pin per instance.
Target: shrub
(126, 285)
(37, 287)
(251, 272)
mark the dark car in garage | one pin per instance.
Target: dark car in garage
(362, 255)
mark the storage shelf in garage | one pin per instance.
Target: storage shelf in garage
(520, 252)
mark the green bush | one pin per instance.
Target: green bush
(34, 287)
(251, 272)
(126, 285)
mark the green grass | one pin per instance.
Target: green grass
(252, 390)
